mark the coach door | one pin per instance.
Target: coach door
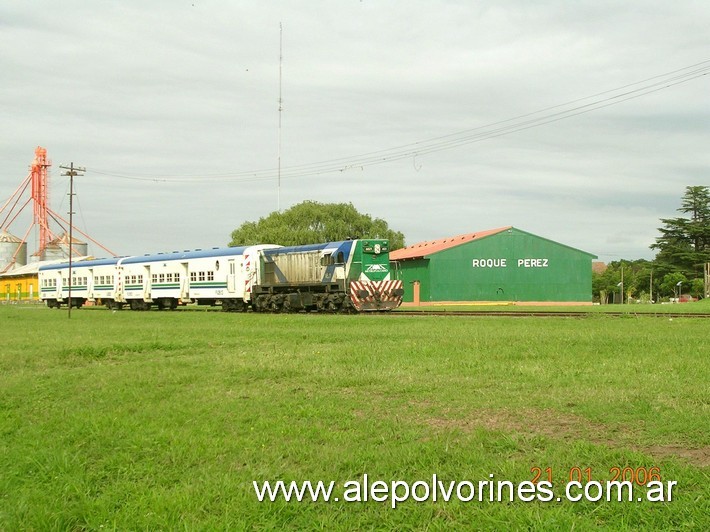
(232, 276)
(184, 281)
(147, 283)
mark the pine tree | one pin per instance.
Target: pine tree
(684, 244)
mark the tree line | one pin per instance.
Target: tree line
(683, 247)
(683, 252)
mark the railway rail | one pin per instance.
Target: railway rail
(544, 314)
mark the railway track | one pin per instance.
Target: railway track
(544, 314)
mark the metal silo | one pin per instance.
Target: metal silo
(11, 246)
(59, 248)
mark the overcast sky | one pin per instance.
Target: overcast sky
(173, 108)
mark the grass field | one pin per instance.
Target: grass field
(162, 420)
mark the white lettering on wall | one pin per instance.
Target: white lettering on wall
(532, 263)
(490, 263)
(503, 263)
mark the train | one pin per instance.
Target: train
(344, 276)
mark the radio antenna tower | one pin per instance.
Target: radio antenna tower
(281, 108)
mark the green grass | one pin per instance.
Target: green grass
(162, 420)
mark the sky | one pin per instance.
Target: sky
(579, 121)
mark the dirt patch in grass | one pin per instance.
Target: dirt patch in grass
(531, 421)
(700, 457)
(564, 426)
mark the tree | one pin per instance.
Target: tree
(636, 278)
(670, 285)
(311, 222)
(684, 244)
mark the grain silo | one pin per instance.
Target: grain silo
(12, 251)
(59, 248)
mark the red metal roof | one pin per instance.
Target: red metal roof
(423, 249)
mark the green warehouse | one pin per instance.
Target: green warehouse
(498, 265)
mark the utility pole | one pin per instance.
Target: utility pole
(71, 171)
(707, 279)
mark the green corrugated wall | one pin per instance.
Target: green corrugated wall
(512, 266)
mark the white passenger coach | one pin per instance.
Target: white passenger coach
(163, 279)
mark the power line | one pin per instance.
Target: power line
(500, 128)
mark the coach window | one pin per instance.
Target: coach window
(177, 277)
(210, 276)
(341, 258)
(326, 260)
(201, 276)
(154, 278)
(161, 278)
(193, 276)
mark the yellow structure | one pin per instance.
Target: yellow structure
(21, 283)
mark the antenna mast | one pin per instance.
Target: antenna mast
(281, 31)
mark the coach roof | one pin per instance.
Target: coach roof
(185, 255)
(80, 263)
